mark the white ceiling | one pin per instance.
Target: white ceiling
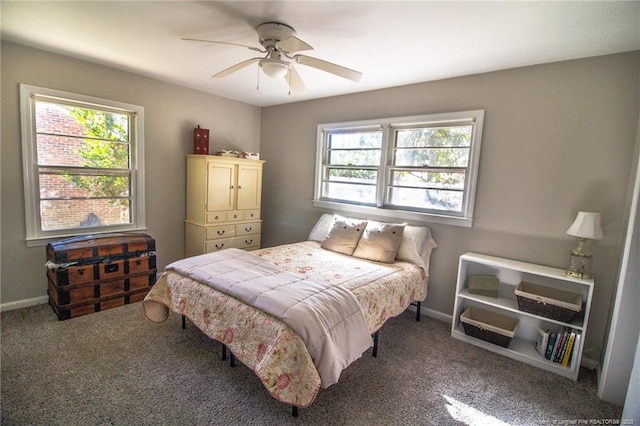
(392, 43)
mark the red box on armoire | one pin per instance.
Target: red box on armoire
(200, 141)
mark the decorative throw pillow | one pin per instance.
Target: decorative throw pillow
(380, 242)
(344, 235)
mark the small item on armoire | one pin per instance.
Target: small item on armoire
(200, 141)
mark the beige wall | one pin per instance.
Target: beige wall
(558, 138)
(171, 113)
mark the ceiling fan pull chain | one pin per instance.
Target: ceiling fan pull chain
(258, 79)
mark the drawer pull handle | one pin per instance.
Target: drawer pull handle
(239, 187)
(247, 242)
(220, 232)
(138, 262)
(108, 269)
(219, 246)
(248, 229)
(81, 271)
(235, 216)
(231, 187)
(216, 218)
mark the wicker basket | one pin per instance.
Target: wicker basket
(488, 326)
(548, 302)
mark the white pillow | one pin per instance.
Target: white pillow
(321, 228)
(417, 244)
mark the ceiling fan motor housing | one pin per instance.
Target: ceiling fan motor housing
(271, 33)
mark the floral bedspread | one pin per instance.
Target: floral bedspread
(266, 345)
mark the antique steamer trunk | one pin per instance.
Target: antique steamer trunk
(95, 272)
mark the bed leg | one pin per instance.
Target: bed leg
(184, 322)
(232, 359)
(375, 344)
(224, 352)
(294, 411)
(418, 311)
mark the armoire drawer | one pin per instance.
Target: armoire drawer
(219, 244)
(216, 232)
(247, 242)
(235, 215)
(251, 214)
(216, 217)
(248, 228)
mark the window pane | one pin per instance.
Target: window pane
(432, 157)
(67, 120)
(74, 152)
(353, 175)
(85, 186)
(68, 214)
(435, 137)
(354, 140)
(365, 194)
(432, 199)
(354, 157)
(428, 179)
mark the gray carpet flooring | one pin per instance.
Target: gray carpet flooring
(117, 368)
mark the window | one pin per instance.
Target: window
(416, 168)
(83, 164)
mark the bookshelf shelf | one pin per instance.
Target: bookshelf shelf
(510, 273)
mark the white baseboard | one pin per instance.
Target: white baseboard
(589, 363)
(437, 315)
(23, 303)
(431, 313)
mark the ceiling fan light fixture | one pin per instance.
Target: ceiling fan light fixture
(274, 68)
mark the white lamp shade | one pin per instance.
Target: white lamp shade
(587, 225)
(274, 68)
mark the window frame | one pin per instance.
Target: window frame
(379, 170)
(389, 126)
(35, 236)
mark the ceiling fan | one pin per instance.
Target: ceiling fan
(279, 44)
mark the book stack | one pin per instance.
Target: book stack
(557, 346)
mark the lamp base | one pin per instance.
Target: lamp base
(580, 261)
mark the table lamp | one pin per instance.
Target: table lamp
(586, 227)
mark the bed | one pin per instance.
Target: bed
(270, 347)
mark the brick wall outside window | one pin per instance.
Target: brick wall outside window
(63, 151)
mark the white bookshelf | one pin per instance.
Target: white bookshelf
(510, 273)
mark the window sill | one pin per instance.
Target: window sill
(395, 214)
(43, 241)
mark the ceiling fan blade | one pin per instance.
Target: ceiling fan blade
(293, 44)
(332, 68)
(296, 85)
(235, 68)
(225, 42)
